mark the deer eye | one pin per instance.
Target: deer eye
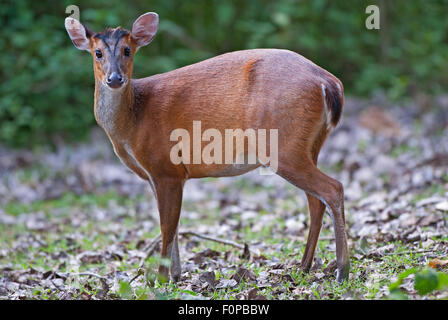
(127, 51)
(98, 53)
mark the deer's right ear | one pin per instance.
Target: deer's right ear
(77, 33)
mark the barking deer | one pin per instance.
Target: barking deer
(249, 89)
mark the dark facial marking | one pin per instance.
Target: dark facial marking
(111, 37)
(113, 68)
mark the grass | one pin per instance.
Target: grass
(41, 250)
(402, 149)
(436, 189)
(322, 289)
(68, 200)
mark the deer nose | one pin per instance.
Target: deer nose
(115, 80)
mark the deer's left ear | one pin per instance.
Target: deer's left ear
(145, 28)
(77, 34)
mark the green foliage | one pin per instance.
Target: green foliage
(47, 85)
(426, 281)
(125, 290)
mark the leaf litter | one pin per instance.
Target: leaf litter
(76, 224)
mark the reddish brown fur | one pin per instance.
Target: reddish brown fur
(258, 89)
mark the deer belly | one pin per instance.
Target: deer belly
(220, 170)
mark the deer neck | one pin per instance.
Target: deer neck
(114, 110)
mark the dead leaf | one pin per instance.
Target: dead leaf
(442, 206)
(379, 121)
(302, 291)
(331, 268)
(319, 275)
(243, 274)
(317, 264)
(287, 278)
(428, 220)
(90, 257)
(226, 283)
(209, 277)
(253, 295)
(207, 253)
(246, 252)
(438, 264)
(276, 271)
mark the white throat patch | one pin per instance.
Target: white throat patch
(107, 106)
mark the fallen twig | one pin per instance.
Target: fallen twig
(91, 274)
(140, 272)
(406, 252)
(439, 159)
(223, 241)
(150, 248)
(153, 243)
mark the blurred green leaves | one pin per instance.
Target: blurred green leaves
(425, 282)
(47, 85)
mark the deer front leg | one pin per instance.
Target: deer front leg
(169, 200)
(175, 258)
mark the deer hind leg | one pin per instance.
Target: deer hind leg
(169, 200)
(316, 209)
(304, 174)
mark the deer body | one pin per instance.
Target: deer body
(228, 91)
(250, 89)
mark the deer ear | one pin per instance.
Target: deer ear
(77, 33)
(145, 28)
